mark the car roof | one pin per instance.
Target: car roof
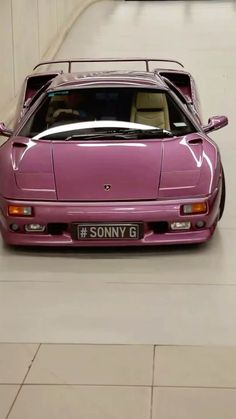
(108, 78)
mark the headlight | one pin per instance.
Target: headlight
(180, 225)
(35, 228)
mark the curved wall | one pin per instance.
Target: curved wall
(30, 30)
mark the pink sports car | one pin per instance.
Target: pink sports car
(110, 158)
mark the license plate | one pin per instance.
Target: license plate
(108, 231)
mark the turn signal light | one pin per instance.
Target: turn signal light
(198, 208)
(18, 211)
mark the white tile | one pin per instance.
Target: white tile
(93, 364)
(7, 396)
(15, 360)
(192, 403)
(75, 402)
(195, 366)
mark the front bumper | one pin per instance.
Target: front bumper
(147, 212)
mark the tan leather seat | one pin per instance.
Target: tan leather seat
(151, 109)
(56, 103)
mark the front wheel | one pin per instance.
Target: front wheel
(223, 195)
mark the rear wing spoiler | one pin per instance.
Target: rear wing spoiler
(146, 61)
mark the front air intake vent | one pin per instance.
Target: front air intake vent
(57, 229)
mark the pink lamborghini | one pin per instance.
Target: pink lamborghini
(110, 158)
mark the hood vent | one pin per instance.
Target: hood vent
(195, 141)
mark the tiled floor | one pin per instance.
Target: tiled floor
(139, 295)
(117, 381)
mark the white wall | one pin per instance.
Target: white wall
(28, 29)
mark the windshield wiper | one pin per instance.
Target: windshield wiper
(124, 134)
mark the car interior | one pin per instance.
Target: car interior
(143, 106)
(150, 109)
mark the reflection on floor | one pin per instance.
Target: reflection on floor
(139, 295)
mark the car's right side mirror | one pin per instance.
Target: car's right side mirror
(4, 130)
(214, 123)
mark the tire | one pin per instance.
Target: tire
(223, 196)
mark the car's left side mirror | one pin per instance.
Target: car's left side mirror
(214, 123)
(4, 130)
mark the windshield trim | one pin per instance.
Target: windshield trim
(92, 124)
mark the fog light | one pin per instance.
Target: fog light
(17, 211)
(35, 228)
(14, 227)
(200, 224)
(180, 225)
(198, 208)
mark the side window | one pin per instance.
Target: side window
(37, 122)
(179, 123)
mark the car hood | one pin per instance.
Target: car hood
(107, 171)
(117, 170)
(190, 167)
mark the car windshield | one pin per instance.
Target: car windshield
(106, 111)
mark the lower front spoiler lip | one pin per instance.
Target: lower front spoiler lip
(145, 212)
(191, 237)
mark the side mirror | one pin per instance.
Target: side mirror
(5, 131)
(214, 123)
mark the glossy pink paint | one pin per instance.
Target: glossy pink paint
(66, 185)
(149, 180)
